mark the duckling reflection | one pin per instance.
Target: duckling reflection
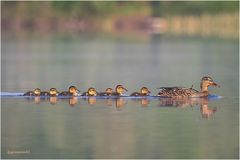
(92, 100)
(181, 103)
(53, 100)
(120, 102)
(143, 101)
(37, 100)
(109, 102)
(73, 101)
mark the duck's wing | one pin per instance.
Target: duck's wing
(135, 94)
(176, 91)
(103, 94)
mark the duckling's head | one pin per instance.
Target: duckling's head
(92, 92)
(37, 92)
(145, 91)
(73, 90)
(120, 89)
(206, 82)
(53, 92)
(109, 90)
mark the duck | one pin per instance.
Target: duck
(119, 90)
(143, 92)
(45, 93)
(91, 92)
(108, 92)
(72, 91)
(36, 92)
(53, 92)
(183, 92)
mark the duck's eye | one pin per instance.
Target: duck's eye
(207, 79)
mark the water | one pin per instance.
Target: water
(119, 128)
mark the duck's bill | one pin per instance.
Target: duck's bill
(78, 91)
(125, 89)
(215, 84)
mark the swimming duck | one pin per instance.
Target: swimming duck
(72, 91)
(91, 92)
(45, 93)
(119, 90)
(53, 92)
(143, 92)
(108, 92)
(181, 92)
(36, 92)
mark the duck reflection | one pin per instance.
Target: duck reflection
(37, 100)
(181, 103)
(207, 112)
(53, 100)
(143, 101)
(73, 101)
(120, 102)
(92, 101)
(109, 101)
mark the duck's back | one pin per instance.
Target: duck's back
(177, 92)
(65, 93)
(104, 94)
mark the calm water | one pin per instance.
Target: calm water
(119, 128)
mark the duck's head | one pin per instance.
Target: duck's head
(37, 92)
(206, 82)
(92, 92)
(109, 90)
(53, 92)
(120, 89)
(73, 90)
(145, 91)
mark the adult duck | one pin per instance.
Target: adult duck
(182, 92)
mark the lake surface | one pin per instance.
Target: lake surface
(119, 128)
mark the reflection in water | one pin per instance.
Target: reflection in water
(203, 102)
(73, 101)
(92, 100)
(207, 112)
(53, 100)
(37, 99)
(120, 102)
(143, 101)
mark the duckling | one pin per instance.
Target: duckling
(53, 92)
(45, 93)
(182, 92)
(108, 92)
(72, 91)
(119, 90)
(36, 92)
(91, 92)
(144, 92)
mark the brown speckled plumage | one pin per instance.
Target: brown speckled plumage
(181, 92)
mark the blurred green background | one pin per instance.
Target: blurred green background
(171, 17)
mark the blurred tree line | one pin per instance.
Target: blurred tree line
(95, 9)
(114, 16)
